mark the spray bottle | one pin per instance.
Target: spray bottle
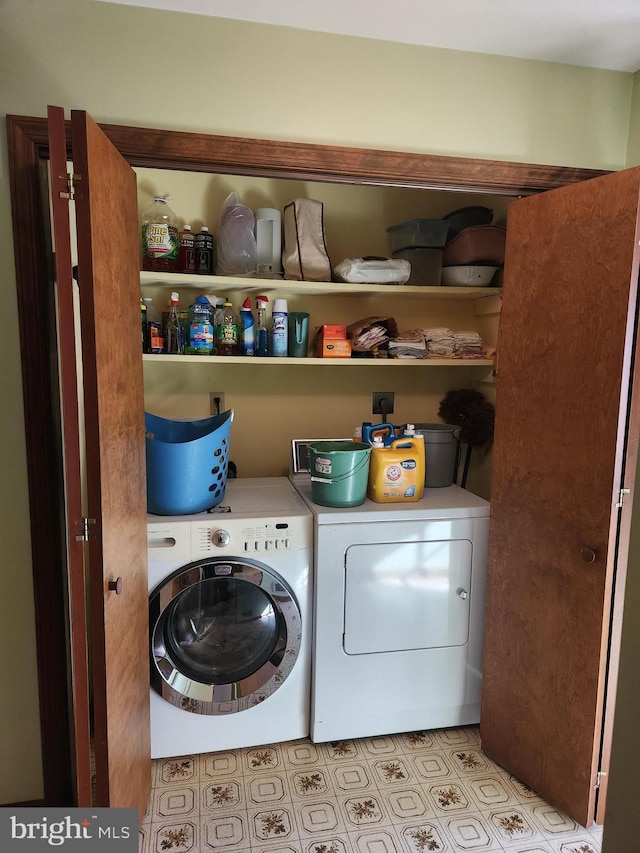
(262, 333)
(247, 329)
(279, 332)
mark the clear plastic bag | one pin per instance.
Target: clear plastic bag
(236, 253)
(374, 271)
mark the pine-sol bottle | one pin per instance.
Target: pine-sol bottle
(160, 240)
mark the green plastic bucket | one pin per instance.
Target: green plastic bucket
(339, 472)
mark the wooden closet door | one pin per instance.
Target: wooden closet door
(109, 284)
(565, 366)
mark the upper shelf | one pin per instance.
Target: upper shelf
(215, 284)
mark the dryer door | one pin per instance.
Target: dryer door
(225, 634)
(407, 595)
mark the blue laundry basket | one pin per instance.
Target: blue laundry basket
(187, 463)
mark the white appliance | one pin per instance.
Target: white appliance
(268, 242)
(230, 621)
(398, 614)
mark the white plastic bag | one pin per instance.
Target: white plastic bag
(378, 271)
(236, 239)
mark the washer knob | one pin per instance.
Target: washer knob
(221, 538)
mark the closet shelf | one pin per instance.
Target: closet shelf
(165, 358)
(217, 284)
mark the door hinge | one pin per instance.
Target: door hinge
(70, 194)
(621, 495)
(599, 778)
(84, 536)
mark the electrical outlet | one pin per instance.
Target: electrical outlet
(382, 402)
(216, 402)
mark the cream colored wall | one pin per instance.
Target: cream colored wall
(633, 146)
(159, 69)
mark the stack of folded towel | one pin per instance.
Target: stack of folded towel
(468, 345)
(443, 343)
(440, 341)
(408, 345)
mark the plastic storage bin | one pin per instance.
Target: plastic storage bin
(187, 463)
(426, 265)
(479, 244)
(425, 233)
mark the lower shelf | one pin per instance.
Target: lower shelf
(319, 362)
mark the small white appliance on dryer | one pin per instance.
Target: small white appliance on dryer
(398, 613)
(230, 621)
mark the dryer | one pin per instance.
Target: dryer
(230, 621)
(398, 614)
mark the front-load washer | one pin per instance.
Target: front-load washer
(398, 613)
(230, 621)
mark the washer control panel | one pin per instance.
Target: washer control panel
(252, 537)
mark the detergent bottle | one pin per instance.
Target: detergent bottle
(371, 431)
(396, 471)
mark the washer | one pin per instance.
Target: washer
(230, 621)
(398, 615)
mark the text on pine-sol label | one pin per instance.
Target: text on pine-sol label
(161, 241)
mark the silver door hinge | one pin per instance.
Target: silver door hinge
(599, 778)
(621, 495)
(70, 194)
(84, 536)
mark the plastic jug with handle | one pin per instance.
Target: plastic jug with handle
(385, 431)
(396, 472)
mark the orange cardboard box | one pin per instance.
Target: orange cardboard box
(332, 347)
(336, 333)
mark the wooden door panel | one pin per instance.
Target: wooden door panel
(109, 279)
(566, 334)
(67, 359)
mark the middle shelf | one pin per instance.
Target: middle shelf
(318, 362)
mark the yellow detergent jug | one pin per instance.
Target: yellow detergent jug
(396, 473)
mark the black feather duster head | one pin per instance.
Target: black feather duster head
(469, 410)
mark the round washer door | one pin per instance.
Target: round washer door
(224, 634)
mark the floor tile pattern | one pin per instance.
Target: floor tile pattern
(409, 793)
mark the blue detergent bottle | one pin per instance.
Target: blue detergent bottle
(200, 327)
(247, 329)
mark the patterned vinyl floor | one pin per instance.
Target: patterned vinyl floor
(407, 793)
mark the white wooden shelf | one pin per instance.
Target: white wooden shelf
(166, 358)
(216, 284)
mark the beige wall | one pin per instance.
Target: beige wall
(158, 69)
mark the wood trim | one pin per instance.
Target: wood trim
(169, 149)
(621, 529)
(28, 150)
(44, 471)
(71, 439)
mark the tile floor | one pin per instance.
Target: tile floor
(407, 793)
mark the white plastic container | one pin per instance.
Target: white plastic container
(268, 243)
(469, 276)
